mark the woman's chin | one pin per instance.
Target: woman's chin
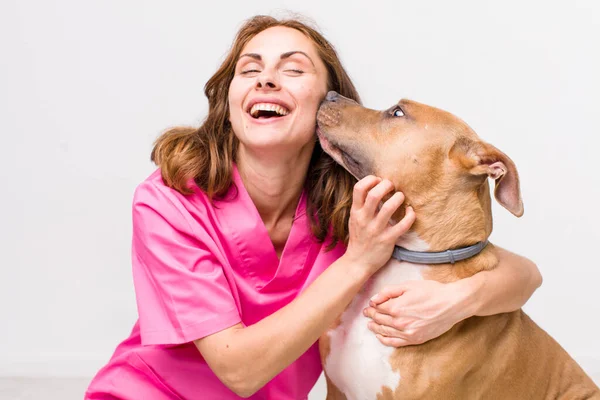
(280, 144)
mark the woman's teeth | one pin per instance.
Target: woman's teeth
(279, 110)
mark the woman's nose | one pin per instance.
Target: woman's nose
(266, 81)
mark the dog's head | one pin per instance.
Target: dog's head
(426, 152)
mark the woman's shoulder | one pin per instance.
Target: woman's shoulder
(154, 192)
(158, 209)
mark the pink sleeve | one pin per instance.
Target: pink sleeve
(181, 290)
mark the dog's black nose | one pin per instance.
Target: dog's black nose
(332, 95)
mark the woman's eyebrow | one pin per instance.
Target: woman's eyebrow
(252, 55)
(288, 54)
(291, 53)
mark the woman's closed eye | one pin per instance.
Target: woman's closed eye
(293, 67)
(294, 71)
(249, 71)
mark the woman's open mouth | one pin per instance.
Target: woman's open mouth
(262, 111)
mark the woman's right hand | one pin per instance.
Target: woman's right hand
(372, 237)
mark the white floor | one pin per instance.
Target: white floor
(42, 388)
(73, 388)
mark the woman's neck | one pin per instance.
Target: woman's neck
(274, 183)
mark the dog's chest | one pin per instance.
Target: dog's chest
(358, 364)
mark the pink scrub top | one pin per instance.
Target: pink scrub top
(200, 268)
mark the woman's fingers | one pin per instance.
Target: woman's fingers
(375, 196)
(371, 239)
(404, 224)
(361, 188)
(389, 208)
(384, 330)
(408, 337)
(381, 319)
(388, 292)
(393, 341)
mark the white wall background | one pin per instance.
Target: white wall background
(86, 86)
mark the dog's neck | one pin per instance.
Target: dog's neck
(455, 221)
(454, 218)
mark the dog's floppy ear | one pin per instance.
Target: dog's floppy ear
(479, 158)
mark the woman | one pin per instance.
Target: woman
(239, 254)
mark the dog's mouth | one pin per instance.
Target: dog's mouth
(341, 156)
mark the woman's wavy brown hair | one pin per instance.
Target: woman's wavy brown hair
(206, 154)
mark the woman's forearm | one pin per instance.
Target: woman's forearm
(506, 288)
(248, 358)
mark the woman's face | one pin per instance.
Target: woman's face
(278, 85)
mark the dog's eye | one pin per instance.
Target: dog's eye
(398, 112)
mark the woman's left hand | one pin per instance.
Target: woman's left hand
(416, 311)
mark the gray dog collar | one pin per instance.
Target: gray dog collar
(440, 257)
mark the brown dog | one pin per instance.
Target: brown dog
(442, 167)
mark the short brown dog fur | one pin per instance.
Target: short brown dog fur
(442, 166)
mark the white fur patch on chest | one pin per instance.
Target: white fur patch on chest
(358, 364)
